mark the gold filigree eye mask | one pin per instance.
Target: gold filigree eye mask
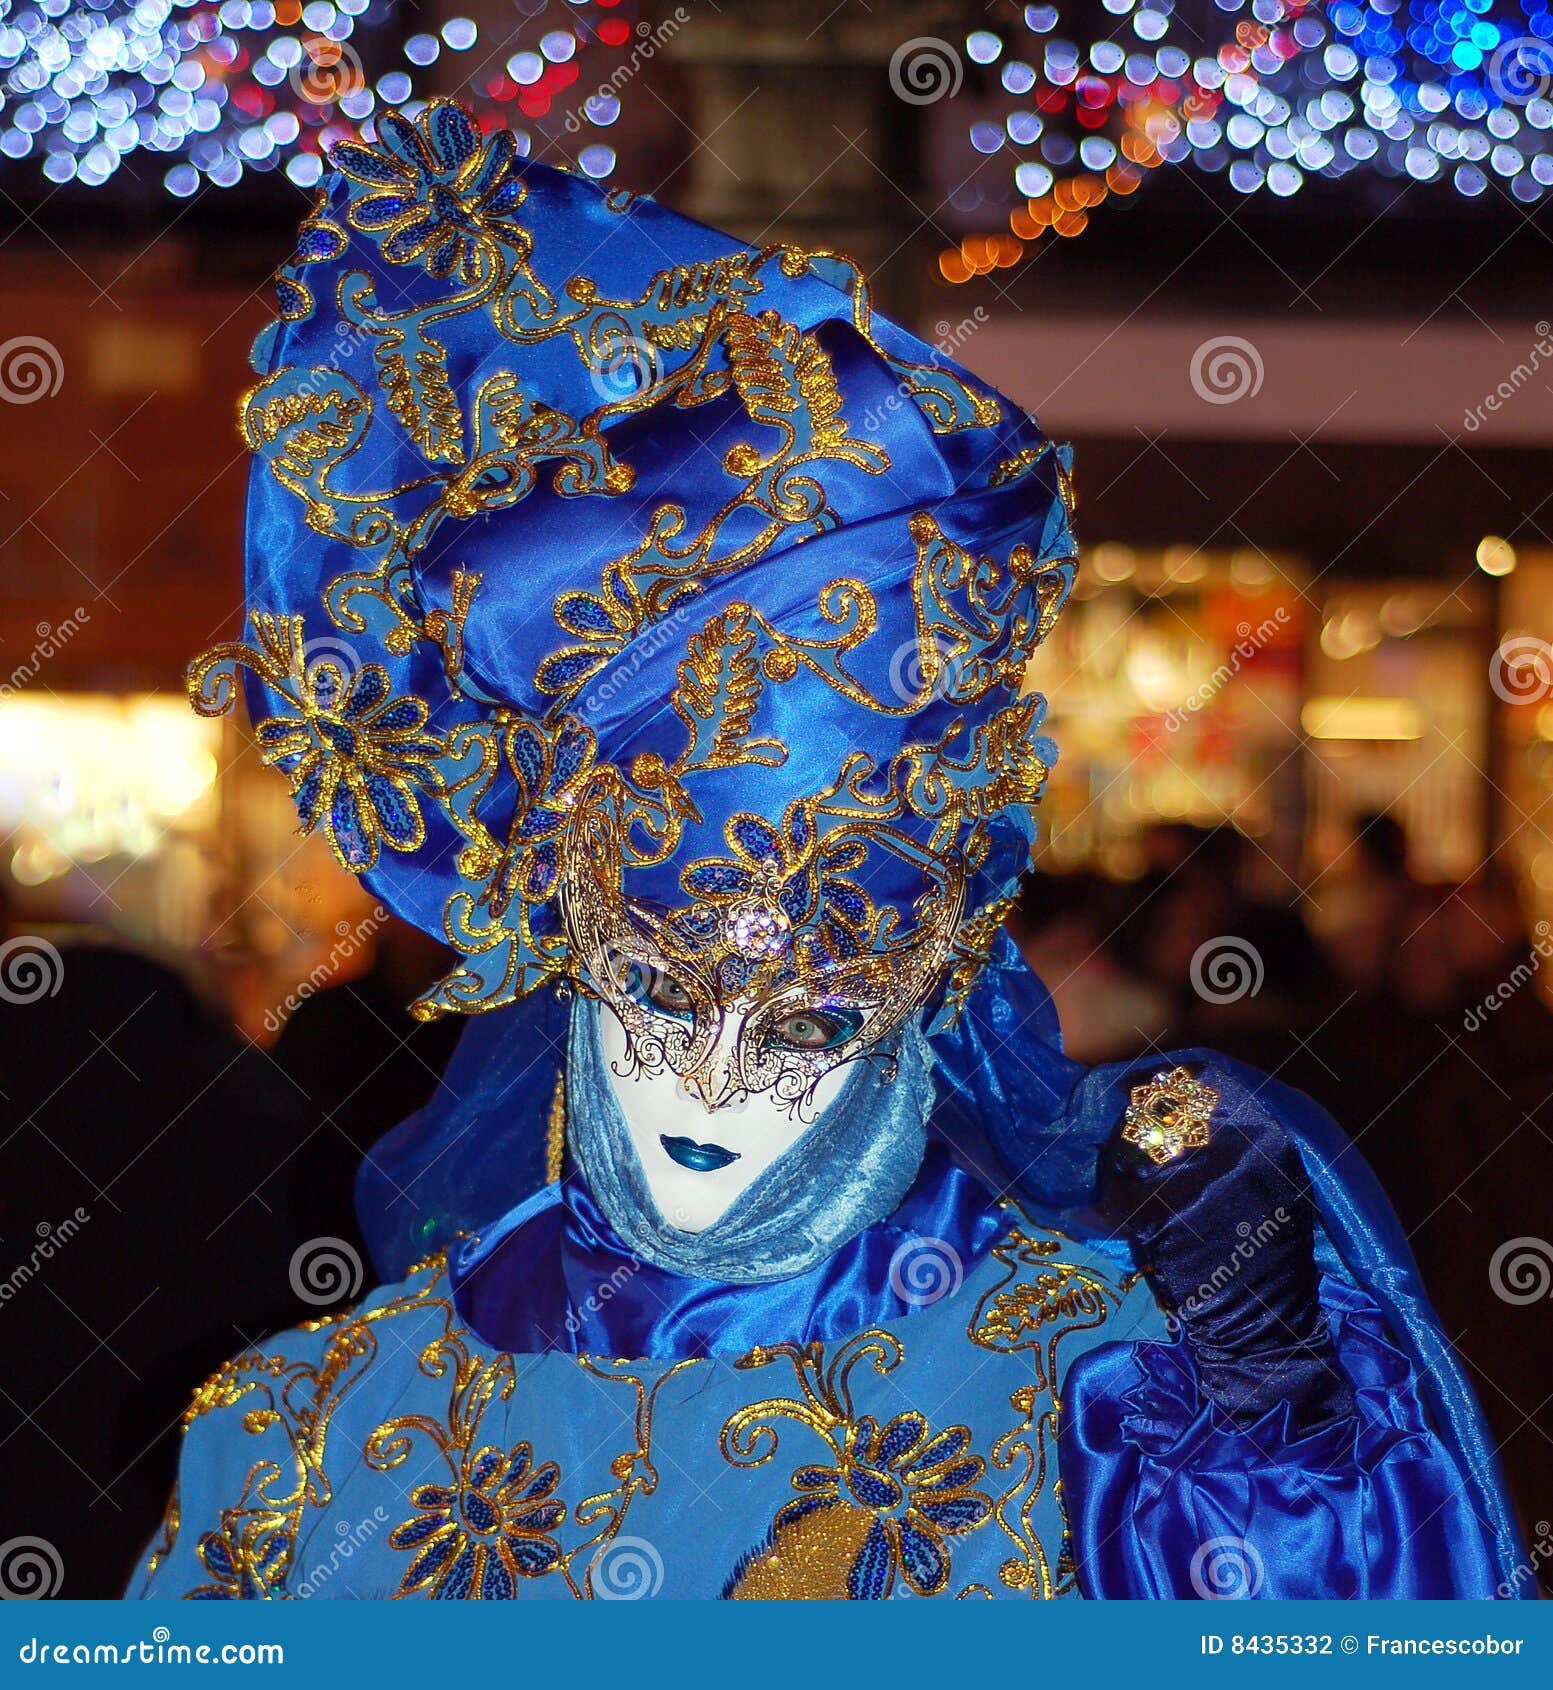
(677, 979)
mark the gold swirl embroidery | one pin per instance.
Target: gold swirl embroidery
(1038, 1302)
(249, 1553)
(633, 1470)
(969, 636)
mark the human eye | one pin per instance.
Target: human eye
(656, 989)
(813, 1028)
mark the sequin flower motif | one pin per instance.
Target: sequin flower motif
(246, 1560)
(777, 881)
(358, 759)
(438, 194)
(919, 1487)
(551, 767)
(476, 1540)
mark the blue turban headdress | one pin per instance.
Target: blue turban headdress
(585, 540)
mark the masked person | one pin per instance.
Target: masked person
(644, 615)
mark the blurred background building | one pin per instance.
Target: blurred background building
(1278, 271)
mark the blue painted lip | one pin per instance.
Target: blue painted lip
(699, 1158)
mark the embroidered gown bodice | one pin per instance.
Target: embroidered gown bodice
(1027, 1428)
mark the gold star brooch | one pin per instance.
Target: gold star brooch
(1169, 1115)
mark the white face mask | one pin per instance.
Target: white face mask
(703, 1142)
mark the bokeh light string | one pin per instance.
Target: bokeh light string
(238, 86)
(1458, 90)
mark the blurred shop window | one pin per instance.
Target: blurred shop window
(1174, 678)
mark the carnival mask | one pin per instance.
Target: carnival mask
(703, 1140)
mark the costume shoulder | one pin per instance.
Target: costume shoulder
(251, 1467)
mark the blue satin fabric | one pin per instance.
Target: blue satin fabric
(1169, 1497)
(553, 1275)
(921, 435)
(1359, 1243)
(477, 1148)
